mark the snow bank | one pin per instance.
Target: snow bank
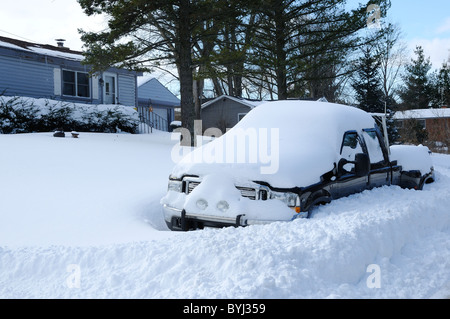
(96, 189)
(80, 218)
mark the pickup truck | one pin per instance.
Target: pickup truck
(282, 160)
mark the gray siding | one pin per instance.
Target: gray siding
(223, 112)
(29, 74)
(127, 90)
(28, 78)
(158, 94)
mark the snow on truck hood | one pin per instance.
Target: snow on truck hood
(285, 143)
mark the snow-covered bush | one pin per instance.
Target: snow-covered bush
(17, 116)
(26, 115)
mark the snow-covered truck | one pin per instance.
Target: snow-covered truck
(282, 160)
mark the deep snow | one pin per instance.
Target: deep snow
(81, 218)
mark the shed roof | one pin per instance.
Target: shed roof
(250, 103)
(152, 91)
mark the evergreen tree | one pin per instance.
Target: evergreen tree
(441, 87)
(294, 33)
(143, 35)
(417, 90)
(367, 83)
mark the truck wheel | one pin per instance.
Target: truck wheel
(319, 201)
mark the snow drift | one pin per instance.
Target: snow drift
(80, 218)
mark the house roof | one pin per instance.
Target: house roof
(153, 92)
(44, 49)
(422, 114)
(250, 103)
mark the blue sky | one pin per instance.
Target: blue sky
(421, 18)
(423, 22)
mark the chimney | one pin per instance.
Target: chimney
(60, 42)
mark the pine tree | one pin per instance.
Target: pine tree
(144, 35)
(441, 87)
(417, 90)
(367, 82)
(291, 33)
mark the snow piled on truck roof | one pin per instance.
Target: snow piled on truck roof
(285, 143)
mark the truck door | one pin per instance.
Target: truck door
(379, 163)
(347, 182)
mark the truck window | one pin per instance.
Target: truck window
(374, 149)
(350, 146)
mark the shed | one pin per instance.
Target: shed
(57, 72)
(157, 100)
(225, 111)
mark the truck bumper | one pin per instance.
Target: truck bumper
(179, 219)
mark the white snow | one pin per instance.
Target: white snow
(79, 109)
(270, 143)
(422, 114)
(80, 218)
(412, 157)
(36, 48)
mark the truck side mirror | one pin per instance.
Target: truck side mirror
(362, 164)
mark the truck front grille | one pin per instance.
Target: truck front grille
(247, 192)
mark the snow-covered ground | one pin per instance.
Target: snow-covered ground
(81, 218)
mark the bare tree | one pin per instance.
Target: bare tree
(392, 54)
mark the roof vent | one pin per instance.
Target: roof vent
(60, 42)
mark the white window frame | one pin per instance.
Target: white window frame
(76, 84)
(239, 116)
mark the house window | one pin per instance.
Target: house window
(423, 123)
(241, 116)
(76, 84)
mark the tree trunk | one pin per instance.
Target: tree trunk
(185, 69)
(280, 68)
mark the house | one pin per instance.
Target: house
(156, 104)
(435, 122)
(225, 111)
(57, 73)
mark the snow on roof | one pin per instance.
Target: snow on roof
(422, 114)
(250, 103)
(43, 49)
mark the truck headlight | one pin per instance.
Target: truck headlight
(223, 206)
(290, 199)
(202, 204)
(175, 185)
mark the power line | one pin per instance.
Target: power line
(18, 36)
